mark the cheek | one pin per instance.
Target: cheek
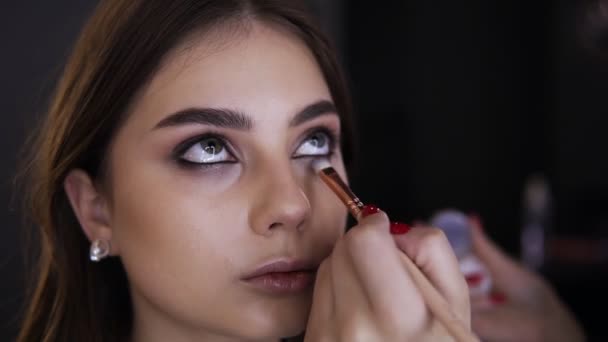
(170, 236)
(329, 225)
(167, 214)
(161, 209)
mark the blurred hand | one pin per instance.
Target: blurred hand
(364, 293)
(523, 307)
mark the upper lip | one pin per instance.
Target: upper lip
(283, 266)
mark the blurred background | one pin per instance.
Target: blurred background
(469, 107)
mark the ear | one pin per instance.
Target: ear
(90, 207)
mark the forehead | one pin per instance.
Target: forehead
(262, 70)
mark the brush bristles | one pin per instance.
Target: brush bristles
(320, 164)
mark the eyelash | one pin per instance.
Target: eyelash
(184, 146)
(332, 136)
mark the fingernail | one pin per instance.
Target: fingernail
(369, 209)
(476, 219)
(399, 228)
(498, 298)
(474, 279)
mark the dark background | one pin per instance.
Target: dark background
(457, 103)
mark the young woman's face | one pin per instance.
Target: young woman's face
(211, 181)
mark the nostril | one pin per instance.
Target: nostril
(274, 225)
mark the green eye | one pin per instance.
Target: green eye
(212, 146)
(207, 151)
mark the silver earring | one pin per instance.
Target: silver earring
(100, 249)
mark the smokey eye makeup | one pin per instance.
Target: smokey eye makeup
(205, 150)
(213, 149)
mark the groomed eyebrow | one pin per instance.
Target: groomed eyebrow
(218, 117)
(227, 118)
(313, 111)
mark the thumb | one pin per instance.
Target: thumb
(507, 275)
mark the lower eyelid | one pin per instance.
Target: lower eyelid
(325, 155)
(203, 166)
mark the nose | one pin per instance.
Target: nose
(280, 202)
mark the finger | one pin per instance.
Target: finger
(480, 303)
(350, 300)
(507, 275)
(483, 302)
(430, 250)
(323, 300)
(392, 293)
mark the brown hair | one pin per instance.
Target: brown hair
(118, 51)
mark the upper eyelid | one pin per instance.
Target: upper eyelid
(333, 134)
(185, 145)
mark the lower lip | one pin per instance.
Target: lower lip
(283, 282)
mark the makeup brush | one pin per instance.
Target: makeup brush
(329, 175)
(436, 303)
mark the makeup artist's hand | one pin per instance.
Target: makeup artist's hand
(524, 307)
(364, 293)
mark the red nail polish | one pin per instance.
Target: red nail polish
(476, 219)
(369, 209)
(474, 279)
(498, 298)
(398, 228)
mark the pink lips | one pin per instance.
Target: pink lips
(283, 277)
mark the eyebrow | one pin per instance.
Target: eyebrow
(313, 111)
(228, 118)
(219, 117)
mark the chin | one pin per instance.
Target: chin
(276, 321)
(275, 331)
